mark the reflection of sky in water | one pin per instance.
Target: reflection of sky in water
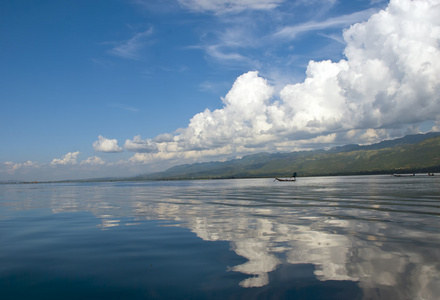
(381, 232)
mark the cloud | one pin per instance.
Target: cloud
(68, 159)
(228, 6)
(68, 167)
(229, 45)
(389, 81)
(291, 32)
(259, 39)
(216, 52)
(130, 49)
(139, 145)
(93, 161)
(11, 167)
(106, 145)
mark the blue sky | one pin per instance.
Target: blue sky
(119, 88)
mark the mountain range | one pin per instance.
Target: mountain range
(412, 153)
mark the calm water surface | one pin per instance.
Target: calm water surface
(362, 237)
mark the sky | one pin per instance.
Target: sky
(125, 87)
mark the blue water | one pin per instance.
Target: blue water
(360, 237)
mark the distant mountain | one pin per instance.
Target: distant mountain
(406, 140)
(412, 153)
(10, 181)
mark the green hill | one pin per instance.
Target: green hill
(415, 153)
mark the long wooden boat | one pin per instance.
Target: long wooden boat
(404, 175)
(280, 179)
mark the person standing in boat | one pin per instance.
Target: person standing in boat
(294, 175)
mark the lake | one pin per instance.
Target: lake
(357, 237)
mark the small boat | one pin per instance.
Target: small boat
(280, 179)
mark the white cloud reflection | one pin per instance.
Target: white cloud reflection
(271, 226)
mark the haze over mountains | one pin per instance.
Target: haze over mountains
(418, 153)
(412, 153)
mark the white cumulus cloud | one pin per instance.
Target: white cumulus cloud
(68, 159)
(139, 145)
(12, 167)
(388, 83)
(106, 145)
(93, 161)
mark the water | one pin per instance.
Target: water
(362, 237)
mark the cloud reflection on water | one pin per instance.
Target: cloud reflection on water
(364, 232)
